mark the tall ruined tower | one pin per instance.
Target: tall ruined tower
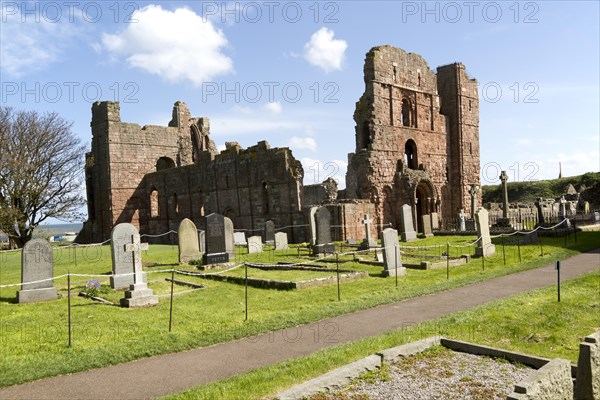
(460, 105)
(417, 137)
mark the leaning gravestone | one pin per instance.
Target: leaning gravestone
(392, 262)
(269, 232)
(122, 259)
(281, 241)
(255, 244)
(127, 239)
(37, 264)
(189, 247)
(239, 238)
(323, 242)
(484, 247)
(229, 238)
(435, 221)
(426, 221)
(408, 233)
(312, 224)
(215, 242)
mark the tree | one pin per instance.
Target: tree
(41, 172)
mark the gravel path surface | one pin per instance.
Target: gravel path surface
(437, 373)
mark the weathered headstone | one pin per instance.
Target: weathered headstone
(426, 222)
(312, 224)
(408, 231)
(37, 263)
(189, 247)
(269, 232)
(540, 213)
(215, 242)
(461, 220)
(597, 216)
(392, 261)
(229, 239)
(435, 221)
(368, 242)
(239, 238)
(202, 241)
(138, 294)
(323, 242)
(255, 244)
(122, 259)
(484, 247)
(562, 210)
(281, 241)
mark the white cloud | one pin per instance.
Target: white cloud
(316, 171)
(175, 45)
(31, 46)
(302, 143)
(323, 51)
(274, 107)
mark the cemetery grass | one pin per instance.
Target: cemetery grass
(533, 323)
(33, 337)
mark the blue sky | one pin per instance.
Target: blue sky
(244, 64)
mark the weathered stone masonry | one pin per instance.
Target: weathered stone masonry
(417, 137)
(417, 143)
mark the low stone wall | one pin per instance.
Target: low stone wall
(551, 382)
(587, 385)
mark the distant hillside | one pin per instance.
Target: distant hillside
(528, 192)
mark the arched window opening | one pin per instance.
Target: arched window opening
(154, 210)
(164, 163)
(410, 154)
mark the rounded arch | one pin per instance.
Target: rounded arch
(164, 163)
(411, 159)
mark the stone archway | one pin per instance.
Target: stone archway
(424, 195)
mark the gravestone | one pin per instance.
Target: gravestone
(540, 213)
(426, 222)
(461, 220)
(138, 294)
(215, 242)
(189, 247)
(37, 263)
(239, 238)
(122, 259)
(281, 241)
(255, 244)
(392, 261)
(435, 221)
(269, 232)
(597, 216)
(368, 242)
(312, 225)
(202, 241)
(408, 229)
(229, 239)
(562, 210)
(323, 242)
(484, 247)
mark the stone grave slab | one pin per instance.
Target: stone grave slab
(392, 261)
(189, 247)
(323, 242)
(484, 248)
(408, 230)
(281, 241)
(215, 242)
(122, 260)
(255, 244)
(37, 263)
(239, 238)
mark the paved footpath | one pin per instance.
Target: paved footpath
(171, 373)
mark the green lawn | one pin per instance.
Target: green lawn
(533, 323)
(33, 337)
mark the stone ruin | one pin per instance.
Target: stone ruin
(417, 143)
